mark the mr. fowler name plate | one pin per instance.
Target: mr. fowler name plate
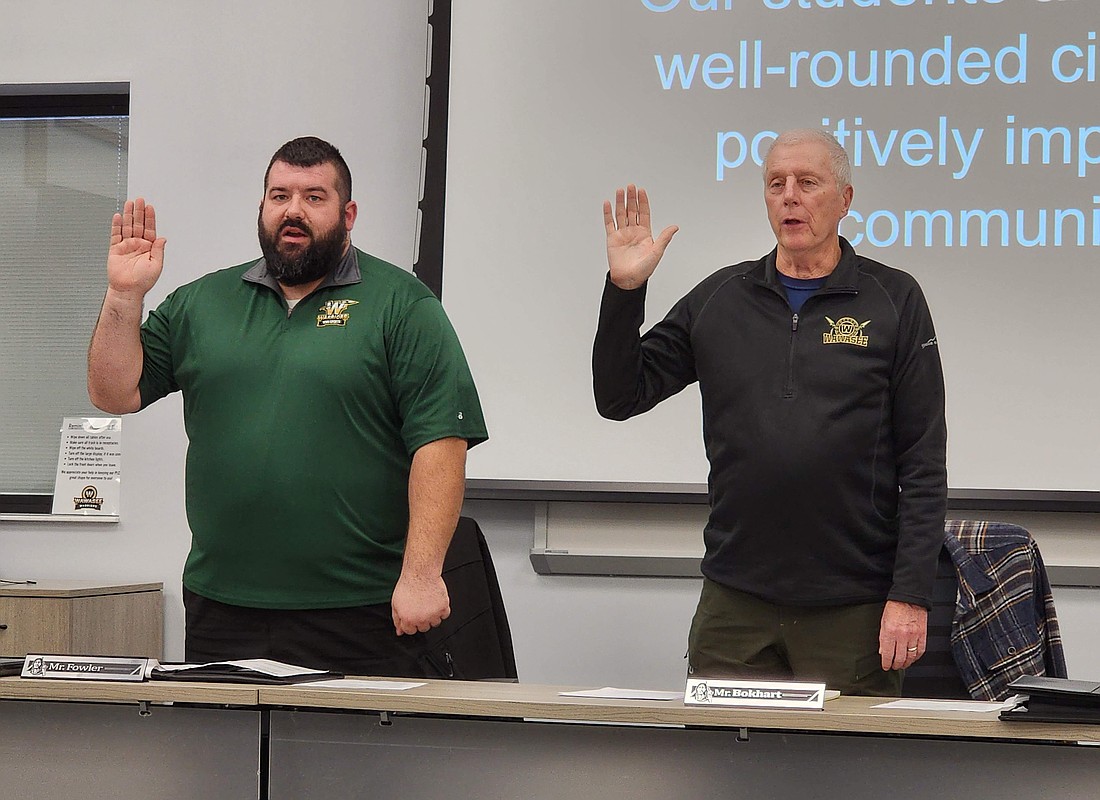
(757, 694)
(93, 668)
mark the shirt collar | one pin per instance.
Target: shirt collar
(345, 273)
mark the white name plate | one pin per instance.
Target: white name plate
(758, 694)
(85, 668)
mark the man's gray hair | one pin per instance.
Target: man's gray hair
(838, 156)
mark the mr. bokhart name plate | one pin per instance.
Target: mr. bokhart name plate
(757, 694)
(89, 467)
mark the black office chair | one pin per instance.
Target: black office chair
(474, 642)
(936, 674)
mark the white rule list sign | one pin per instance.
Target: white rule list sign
(89, 466)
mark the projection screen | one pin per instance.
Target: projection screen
(974, 131)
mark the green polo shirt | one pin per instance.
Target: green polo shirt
(302, 426)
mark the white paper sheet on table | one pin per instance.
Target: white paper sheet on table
(359, 683)
(610, 692)
(977, 706)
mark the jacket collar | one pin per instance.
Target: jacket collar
(842, 279)
(973, 578)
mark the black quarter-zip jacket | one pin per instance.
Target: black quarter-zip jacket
(825, 430)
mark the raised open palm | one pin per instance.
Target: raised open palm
(632, 252)
(136, 256)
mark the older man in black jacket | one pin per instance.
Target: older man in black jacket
(823, 409)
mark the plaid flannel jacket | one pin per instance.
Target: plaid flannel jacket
(1005, 625)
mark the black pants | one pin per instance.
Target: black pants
(355, 641)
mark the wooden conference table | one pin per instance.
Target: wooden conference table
(460, 740)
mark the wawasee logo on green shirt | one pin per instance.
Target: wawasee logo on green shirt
(334, 312)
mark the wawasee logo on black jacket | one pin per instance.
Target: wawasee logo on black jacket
(846, 331)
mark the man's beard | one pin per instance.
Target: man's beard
(312, 262)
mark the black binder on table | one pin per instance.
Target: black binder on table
(1055, 700)
(224, 672)
(11, 666)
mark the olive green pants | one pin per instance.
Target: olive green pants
(737, 635)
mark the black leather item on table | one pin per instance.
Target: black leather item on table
(11, 666)
(1055, 700)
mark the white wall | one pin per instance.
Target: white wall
(585, 630)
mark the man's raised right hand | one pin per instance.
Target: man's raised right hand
(136, 255)
(632, 252)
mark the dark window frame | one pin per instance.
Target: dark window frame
(56, 101)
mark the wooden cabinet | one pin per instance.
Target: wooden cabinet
(74, 618)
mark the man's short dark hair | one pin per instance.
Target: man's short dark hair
(309, 151)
